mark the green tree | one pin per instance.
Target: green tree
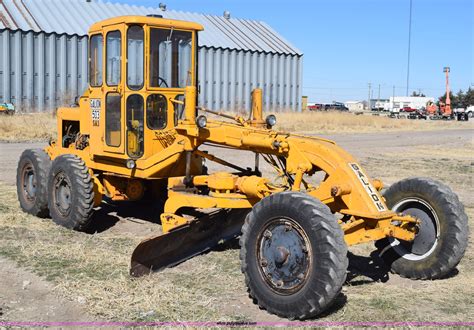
(443, 98)
(459, 100)
(469, 97)
(415, 93)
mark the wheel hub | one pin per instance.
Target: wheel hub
(62, 194)
(428, 229)
(426, 233)
(29, 182)
(284, 255)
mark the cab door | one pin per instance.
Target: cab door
(135, 92)
(113, 92)
(96, 85)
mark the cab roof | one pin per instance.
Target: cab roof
(149, 20)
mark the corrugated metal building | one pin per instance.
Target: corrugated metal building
(43, 55)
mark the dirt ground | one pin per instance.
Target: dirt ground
(73, 284)
(25, 296)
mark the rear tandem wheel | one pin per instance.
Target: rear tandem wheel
(31, 182)
(70, 192)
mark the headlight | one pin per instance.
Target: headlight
(131, 164)
(201, 121)
(271, 120)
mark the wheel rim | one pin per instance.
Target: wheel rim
(284, 255)
(427, 236)
(62, 194)
(28, 177)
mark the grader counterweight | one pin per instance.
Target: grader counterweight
(137, 132)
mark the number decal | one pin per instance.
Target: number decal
(95, 111)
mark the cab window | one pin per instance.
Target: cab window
(135, 126)
(135, 59)
(178, 109)
(156, 111)
(170, 58)
(95, 60)
(113, 119)
(113, 51)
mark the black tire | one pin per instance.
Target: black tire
(70, 193)
(321, 268)
(432, 255)
(32, 182)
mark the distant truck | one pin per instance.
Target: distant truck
(315, 106)
(464, 114)
(408, 109)
(470, 111)
(336, 106)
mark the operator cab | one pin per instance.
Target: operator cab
(137, 66)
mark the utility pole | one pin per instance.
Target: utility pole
(409, 44)
(393, 97)
(368, 103)
(378, 97)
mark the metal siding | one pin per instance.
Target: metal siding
(84, 73)
(267, 81)
(232, 80)
(40, 72)
(225, 82)
(209, 80)
(246, 81)
(16, 65)
(287, 83)
(51, 74)
(5, 69)
(73, 66)
(239, 81)
(28, 71)
(273, 82)
(44, 70)
(217, 80)
(299, 88)
(201, 76)
(227, 78)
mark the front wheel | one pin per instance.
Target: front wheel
(442, 235)
(293, 255)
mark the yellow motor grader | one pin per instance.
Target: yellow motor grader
(137, 132)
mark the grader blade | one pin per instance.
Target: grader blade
(168, 250)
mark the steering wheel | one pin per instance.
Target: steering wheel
(161, 82)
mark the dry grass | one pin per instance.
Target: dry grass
(94, 268)
(42, 127)
(27, 127)
(338, 122)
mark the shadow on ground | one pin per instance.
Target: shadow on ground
(366, 269)
(110, 213)
(361, 270)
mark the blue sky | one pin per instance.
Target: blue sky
(349, 43)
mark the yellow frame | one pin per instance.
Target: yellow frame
(346, 189)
